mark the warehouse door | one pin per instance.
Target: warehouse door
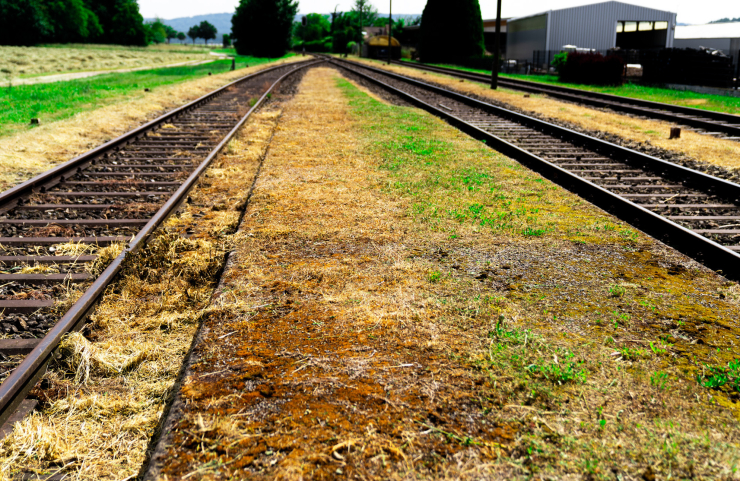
(639, 35)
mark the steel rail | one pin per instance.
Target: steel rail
(43, 180)
(709, 253)
(15, 387)
(710, 121)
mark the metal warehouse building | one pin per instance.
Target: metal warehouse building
(600, 26)
(719, 36)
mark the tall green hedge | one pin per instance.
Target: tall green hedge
(451, 31)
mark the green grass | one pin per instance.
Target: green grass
(559, 343)
(716, 103)
(60, 100)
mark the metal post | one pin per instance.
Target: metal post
(497, 48)
(359, 45)
(390, 29)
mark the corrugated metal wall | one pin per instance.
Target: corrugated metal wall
(594, 26)
(526, 35)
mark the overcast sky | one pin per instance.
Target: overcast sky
(689, 11)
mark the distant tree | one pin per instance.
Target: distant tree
(207, 31)
(451, 34)
(367, 14)
(23, 22)
(227, 40)
(263, 28)
(415, 21)
(346, 31)
(317, 28)
(120, 20)
(171, 33)
(157, 31)
(181, 36)
(194, 33)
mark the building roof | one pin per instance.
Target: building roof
(711, 30)
(585, 5)
(382, 41)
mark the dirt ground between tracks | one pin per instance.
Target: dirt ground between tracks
(29, 153)
(405, 303)
(704, 148)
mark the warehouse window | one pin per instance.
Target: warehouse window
(641, 34)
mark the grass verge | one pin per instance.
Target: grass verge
(61, 100)
(716, 103)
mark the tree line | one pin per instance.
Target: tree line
(29, 22)
(449, 33)
(264, 28)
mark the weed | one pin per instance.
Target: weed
(529, 232)
(434, 277)
(633, 354)
(615, 290)
(659, 379)
(719, 376)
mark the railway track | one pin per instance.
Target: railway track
(52, 225)
(721, 125)
(693, 212)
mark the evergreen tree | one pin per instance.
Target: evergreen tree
(451, 33)
(263, 28)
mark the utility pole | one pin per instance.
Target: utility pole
(497, 48)
(390, 30)
(359, 45)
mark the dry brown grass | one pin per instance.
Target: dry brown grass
(725, 153)
(29, 153)
(357, 336)
(102, 401)
(26, 61)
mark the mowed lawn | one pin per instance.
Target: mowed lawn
(56, 101)
(24, 62)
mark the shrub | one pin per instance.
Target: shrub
(559, 61)
(592, 69)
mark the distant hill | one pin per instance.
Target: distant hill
(222, 22)
(726, 20)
